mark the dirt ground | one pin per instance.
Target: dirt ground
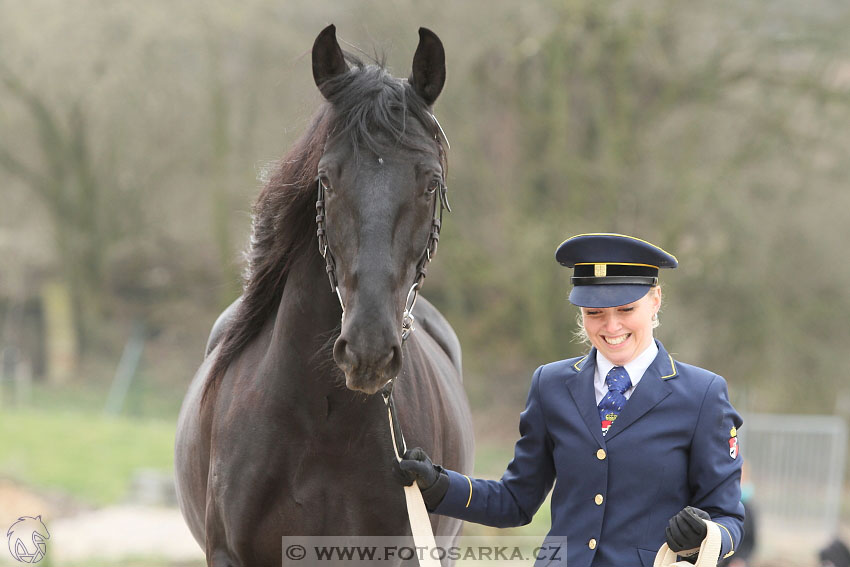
(80, 535)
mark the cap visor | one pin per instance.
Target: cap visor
(606, 295)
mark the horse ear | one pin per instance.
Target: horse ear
(328, 61)
(429, 66)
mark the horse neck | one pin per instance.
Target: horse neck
(307, 322)
(306, 325)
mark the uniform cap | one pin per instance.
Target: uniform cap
(611, 269)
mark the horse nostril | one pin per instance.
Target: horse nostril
(394, 362)
(369, 365)
(343, 355)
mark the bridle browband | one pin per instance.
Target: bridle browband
(440, 202)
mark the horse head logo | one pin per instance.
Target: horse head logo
(27, 539)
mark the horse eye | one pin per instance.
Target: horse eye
(323, 179)
(434, 185)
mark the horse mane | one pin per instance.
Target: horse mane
(362, 102)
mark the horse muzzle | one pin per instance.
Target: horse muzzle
(367, 366)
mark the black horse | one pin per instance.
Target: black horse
(280, 432)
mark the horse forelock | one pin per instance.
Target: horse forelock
(368, 107)
(373, 109)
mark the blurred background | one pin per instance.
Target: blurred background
(134, 138)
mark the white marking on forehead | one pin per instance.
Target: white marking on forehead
(381, 160)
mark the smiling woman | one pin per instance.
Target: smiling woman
(644, 447)
(621, 333)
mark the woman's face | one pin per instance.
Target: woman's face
(622, 333)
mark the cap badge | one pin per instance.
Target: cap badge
(600, 270)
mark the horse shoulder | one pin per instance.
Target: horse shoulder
(221, 325)
(429, 319)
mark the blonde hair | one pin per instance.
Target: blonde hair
(580, 334)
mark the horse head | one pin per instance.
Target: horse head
(381, 178)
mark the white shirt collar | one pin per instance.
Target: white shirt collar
(636, 369)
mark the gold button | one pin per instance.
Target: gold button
(592, 544)
(600, 454)
(598, 500)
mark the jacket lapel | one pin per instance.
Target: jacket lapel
(651, 389)
(581, 389)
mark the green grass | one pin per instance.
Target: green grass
(88, 456)
(144, 397)
(92, 457)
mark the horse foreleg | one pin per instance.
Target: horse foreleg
(221, 558)
(217, 550)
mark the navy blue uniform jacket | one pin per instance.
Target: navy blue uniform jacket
(669, 448)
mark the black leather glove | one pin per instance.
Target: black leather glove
(686, 530)
(418, 466)
(433, 481)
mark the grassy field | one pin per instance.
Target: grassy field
(86, 455)
(92, 457)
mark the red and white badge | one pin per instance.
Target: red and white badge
(733, 443)
(733, 447)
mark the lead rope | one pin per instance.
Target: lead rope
(420, 524)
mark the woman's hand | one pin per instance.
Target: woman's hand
(416, 465)
(686, 530)
(433, 481)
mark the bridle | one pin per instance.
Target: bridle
(440, 203)
(420, 525)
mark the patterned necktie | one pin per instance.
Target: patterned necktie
(615, 400)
